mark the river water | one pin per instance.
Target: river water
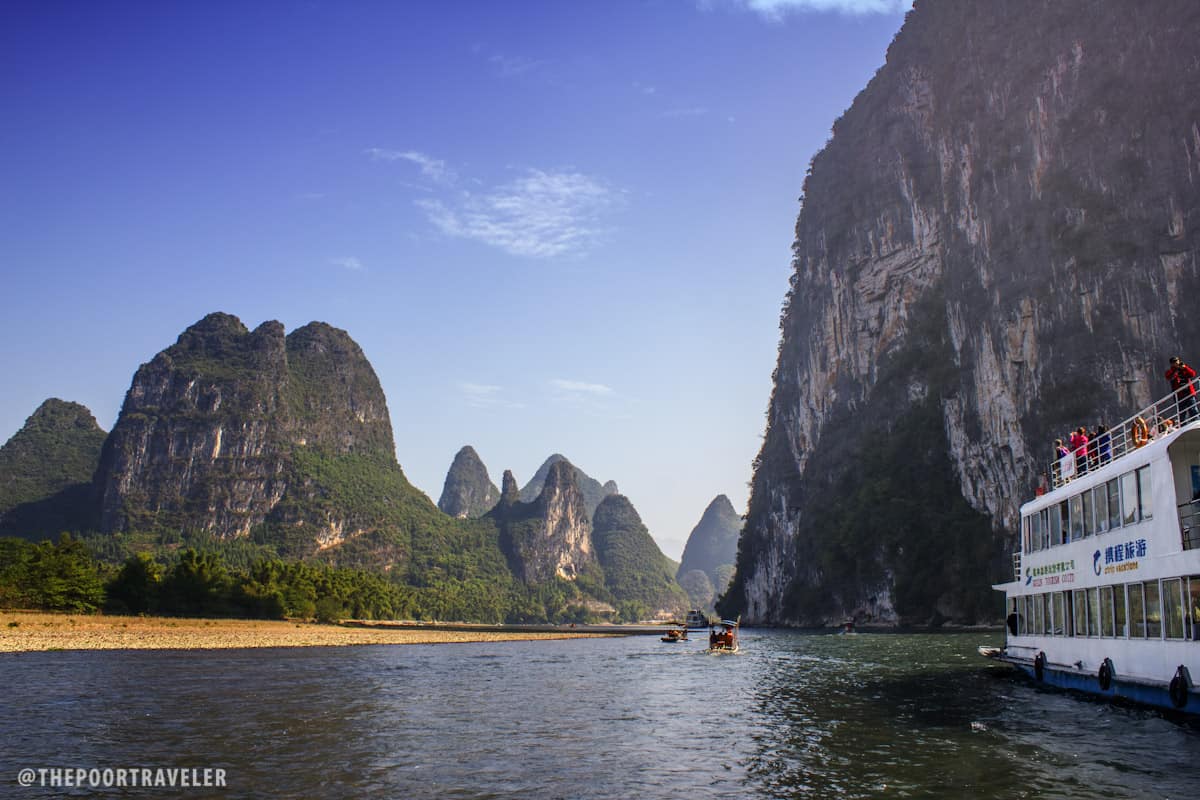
(791, 715)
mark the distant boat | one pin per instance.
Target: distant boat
(676, 635)
(848, 626)
(723, 636)
(696, 620)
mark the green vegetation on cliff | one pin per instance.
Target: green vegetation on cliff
(635, 571)
(46, 471)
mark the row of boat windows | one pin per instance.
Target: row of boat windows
(1124, 500)
(1166, 609)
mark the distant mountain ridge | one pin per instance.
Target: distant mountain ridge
(710, 552)
(593, 490)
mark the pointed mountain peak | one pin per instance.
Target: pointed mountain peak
(468, 491)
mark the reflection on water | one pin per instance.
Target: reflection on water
(792, 715)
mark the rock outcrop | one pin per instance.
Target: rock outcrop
(593, 490)
(998, 244)
(228, 429)
(46, 471)
(468, 491)
(551, 536)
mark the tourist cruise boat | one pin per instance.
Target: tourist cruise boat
(1105, 596)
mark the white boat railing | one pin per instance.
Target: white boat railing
(1157, 419)
(1189, 524)
(1017, 564)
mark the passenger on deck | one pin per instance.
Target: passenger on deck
(1181, 376)
(1103, 443)
(1079, 442)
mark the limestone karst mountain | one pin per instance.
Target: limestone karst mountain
(711, 550)
(468, 491)
(593, 490)
(999, 243)
(46, 471)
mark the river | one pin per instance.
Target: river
(791, 715)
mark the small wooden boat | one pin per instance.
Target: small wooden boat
(723, 637)
(675, 635)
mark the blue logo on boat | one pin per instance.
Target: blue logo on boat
(1096, 561)
(1028, 576)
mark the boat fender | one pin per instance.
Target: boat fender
(1106, 674)
(1140, 432)
(1039, 665)
(1179, 687)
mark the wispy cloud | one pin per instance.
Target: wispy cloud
(433, 168)
(348, 262)
(512, 66)
(541, 214)
(483, 395)
(777, 9)
(596, 389)
(643, 88)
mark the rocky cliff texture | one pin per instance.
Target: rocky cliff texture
(46, 471)
(468, 491)
(998, 243)
(593, 490)
(219, 429)
(550, 537)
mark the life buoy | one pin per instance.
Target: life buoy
(1140, 432)
(1039, 665)
(1179, 687)
(1106, 675)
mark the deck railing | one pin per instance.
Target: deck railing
(1159, 418)
(1017, 565)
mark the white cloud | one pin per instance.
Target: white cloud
(581, 387)
(777, 9)
(540, 214)
(484, 395)
(511, 66)
(348, 262)
(433, 168)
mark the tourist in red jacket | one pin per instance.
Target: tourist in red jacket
(1181, 375)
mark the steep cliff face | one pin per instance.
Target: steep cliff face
(468, 491)
(46, 470)
(552, 536)
(999, 243)
(593, 490)
(635, 570)
(228, 429)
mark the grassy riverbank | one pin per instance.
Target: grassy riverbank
(30, 630)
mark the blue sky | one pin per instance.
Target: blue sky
(552, 226)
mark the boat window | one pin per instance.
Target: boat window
(1039, 619)
(1172, 603)
(1153, 615)
(1114, 504)
(1194, 607)
(1100, 500)
(1064, 519)
(1026, 539)
(1129, 498)
(1106, 611)
(1089, 524)
(1035, 528)
(1145, 499)
(1122, 630)
(1137, 619)
(1045, 515)
(1080, 602)
(1093, 601)
(1060, 615)
(1054, 530)
(1047, 614)
(1076, 504)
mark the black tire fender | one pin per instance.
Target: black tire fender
(1179, 687)
(1105, 675)
(1039, 665)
